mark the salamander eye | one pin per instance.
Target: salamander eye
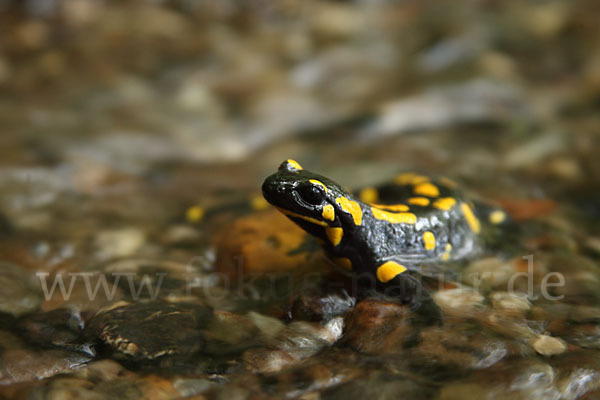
(311, 194)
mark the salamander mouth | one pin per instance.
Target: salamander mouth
(273, 191)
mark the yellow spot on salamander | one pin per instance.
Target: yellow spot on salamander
(497, 217)
(394, 218)
(328, 212)
(295, 165)
(194, 214)
(392, 207)
(470, 217)
(410, 178)
(446, 255)
(351, 207)
(258, 203)
(389, 270)
(334, 235)
(368, 195)
(318, 183)
(426, 189)
(343, 262)
(419, 201)
(303, 217)
(445, 203)
(429, 240)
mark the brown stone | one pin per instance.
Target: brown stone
(261, 242)
(378, 327)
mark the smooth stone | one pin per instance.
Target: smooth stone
(549, 346)
(18, 295)
(21, 365)
(378, 327)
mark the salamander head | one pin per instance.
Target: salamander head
(315, 203)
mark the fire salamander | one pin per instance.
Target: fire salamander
(383, 232)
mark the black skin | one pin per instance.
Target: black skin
(374, 241)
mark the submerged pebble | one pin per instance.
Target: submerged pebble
(19, 293)
(461, 301)
(549, 346)
(20, 365)
(150, 330)
(378, 327)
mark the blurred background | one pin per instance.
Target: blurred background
(123, 122)
(94, 94)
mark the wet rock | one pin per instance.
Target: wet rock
(566, 169)
(380, 385)
(498, 64)
(456, 349)
(118, 243)
(32, 34)
(321, 304)
(123, 152)
(28, 190)
(583, 314)
(19, 294)
(489, 273)
(510, 303)
(584, 335)
(453, 51)
(511, 327)
(378, 327)
(461, 301)
(155, 387)
(345, 74)
(578, 372)
(529, 378)
(8, 340)
(303, 339)
(99, 380)
(549, 346)
(469, 102)
(151, 279)
(279, 114)
(327, 369)
(20, 365)
(5, 225)
(337, 20)
(526, 379)
(260, 243)
(298, 341)
(85, 291)
(107, 379)
(192, 387)
(68, 388)
(455, 391)
(61, 328)
(545, 20)
(147, 331)
(229, 333)
(267, 361)
(268, 326)
(593, 244)
(534, 151)
(194, 97)
(181, 235)
(5, 70)
(104, 371)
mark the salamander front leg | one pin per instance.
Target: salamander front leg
(394, 280)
